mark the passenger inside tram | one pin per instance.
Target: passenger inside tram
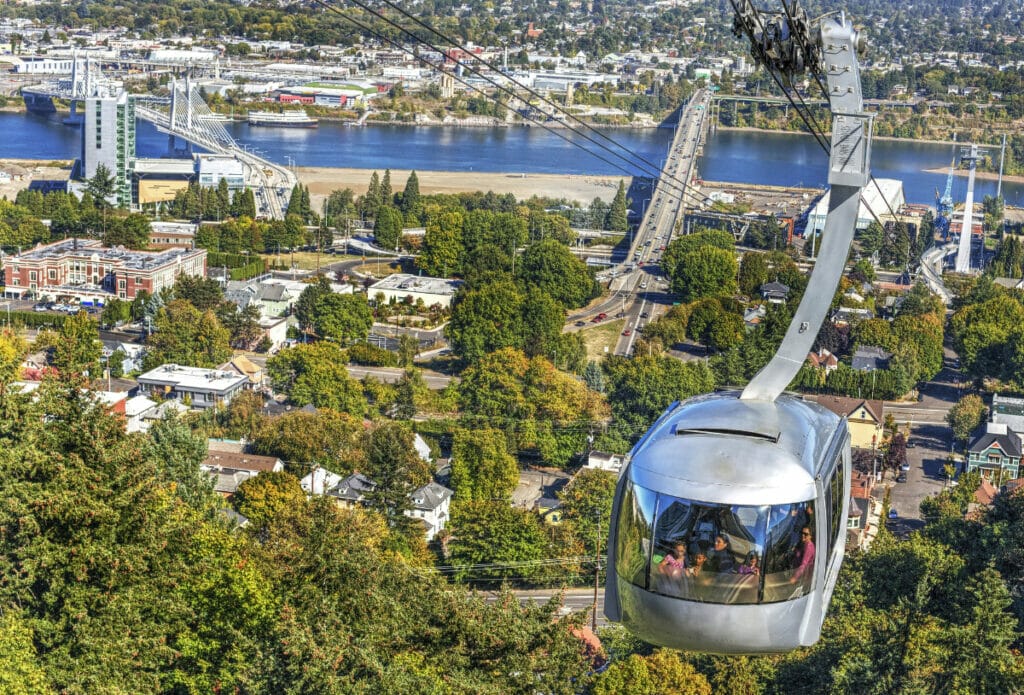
(753, 554)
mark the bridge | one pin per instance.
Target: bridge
(185, 115)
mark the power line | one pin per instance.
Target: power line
(530, 90)
(682, 189)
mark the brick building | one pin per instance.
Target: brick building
(86, 270)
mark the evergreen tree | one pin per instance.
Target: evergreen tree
(387, 195)
(411, 195)
(372, 200)
(618, 218)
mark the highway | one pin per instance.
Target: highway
(641, 288)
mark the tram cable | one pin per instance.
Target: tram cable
(683, 189)
(558, 107)
(797, 25)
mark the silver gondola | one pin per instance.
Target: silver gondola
(729, 520)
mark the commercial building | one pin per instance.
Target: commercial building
(202, 388)
(399, 286)
(170, 235)
(108, 138)
(86, 270)
(211, 168)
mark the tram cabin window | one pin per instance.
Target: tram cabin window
(704, 552)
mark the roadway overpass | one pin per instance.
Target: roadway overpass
(635, 281)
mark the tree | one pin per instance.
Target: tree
(587, 504)
(265, 498)
(706, 272)
(553, 269)
(396, 469)
(184, 335)
(78, 348)
(485, 320)
(753, 272)
(966, 416)
(304, 440)
(387, 195)
(387, 227)
(501, 539)
(482, 468)
(202, 293)
(344, 318)
(20, 670)
(101, 185)
(315, 374)
(640, 389)
(372, 200)
(305, 305)
(618, 219)
(115, 312)
(442, 252)
(411, 195)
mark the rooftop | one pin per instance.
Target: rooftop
(416, 283)
(89, 248)
(192, 377)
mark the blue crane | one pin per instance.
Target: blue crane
(944, 205)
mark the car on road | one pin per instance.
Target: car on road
(581, 323)
(643, 285)
(645, 314)
(905, 467)
(901, 478)
(627, 332)
(893, 514)
(40, 307)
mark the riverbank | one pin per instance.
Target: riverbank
(983, 175)
(748, 129)
(321, 181)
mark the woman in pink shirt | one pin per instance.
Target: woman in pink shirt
(803, 557)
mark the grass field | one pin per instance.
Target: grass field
(602, 335)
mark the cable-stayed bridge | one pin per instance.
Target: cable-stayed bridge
(184, 115)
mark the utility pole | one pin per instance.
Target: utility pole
(597, 572)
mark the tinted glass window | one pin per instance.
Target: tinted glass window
(716, 553)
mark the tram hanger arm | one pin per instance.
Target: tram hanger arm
(849, 171)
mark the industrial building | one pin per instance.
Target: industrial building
(880, 201)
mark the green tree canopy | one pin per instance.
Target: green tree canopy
(315, 374)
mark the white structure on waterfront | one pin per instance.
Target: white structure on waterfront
(876, 201)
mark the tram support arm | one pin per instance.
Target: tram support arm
(849, 171)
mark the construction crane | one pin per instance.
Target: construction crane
(944, 205)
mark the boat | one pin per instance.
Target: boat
(285, 119)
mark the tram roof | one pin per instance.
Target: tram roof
(718, 448)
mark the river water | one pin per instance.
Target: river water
(733, 156)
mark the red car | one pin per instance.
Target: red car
(627, 332)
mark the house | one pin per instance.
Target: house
(869, 358)
(606, 462)
(753, 316)
(198, 387)
(135, 410)
(128, 356)
(550, 509)
(864, 417)
(229, 469)
(429, 504)
(995, 453)
(774, 292)
(844, 316)
(242, 365)
(823, 359)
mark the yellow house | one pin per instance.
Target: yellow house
(865, 417)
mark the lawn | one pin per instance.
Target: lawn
(598, 336)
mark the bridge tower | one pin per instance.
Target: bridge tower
(963, 252)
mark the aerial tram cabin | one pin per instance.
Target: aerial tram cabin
(756, 475)
(729, 520)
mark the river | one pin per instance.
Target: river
(730, 155)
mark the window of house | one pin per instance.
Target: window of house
(121, 284)
(32, 275)
(52, 274)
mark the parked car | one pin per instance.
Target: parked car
(627, 332)
(905, 467)
(40, 307)
(901, 478)
(893, 514)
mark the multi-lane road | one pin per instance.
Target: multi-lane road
(639, 285)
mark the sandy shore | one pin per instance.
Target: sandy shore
(323, 180)
(984, 175)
